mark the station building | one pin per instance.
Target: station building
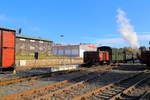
(73, 50)
(26, 45)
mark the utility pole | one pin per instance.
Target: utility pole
(149, 44)
(62, 58)
(20, 30)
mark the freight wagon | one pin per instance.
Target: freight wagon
(96, 57)
(7, 49)
(117, 54)
(109, 55)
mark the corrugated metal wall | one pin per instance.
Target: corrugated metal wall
(84, 48)
(67, 50)
(73, 51)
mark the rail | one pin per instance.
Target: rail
(106, 87)
(45, 87)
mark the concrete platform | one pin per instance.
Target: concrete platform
(63, 67)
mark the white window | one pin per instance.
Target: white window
(41, 48)
(22, 47)
(40, 41)
(32, 40)
(22, 39)
(32, 48)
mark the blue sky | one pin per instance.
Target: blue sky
(80, 21)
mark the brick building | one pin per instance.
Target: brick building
(26, 45)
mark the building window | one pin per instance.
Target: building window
(32, 48)
(22, 47)
(22, 39)
(41, 48)
(32, 40)
(41, 42)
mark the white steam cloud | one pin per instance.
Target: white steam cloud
(126, 29)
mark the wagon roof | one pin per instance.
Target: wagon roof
(7, 29)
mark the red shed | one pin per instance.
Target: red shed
(7, 49)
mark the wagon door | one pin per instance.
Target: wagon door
(100, 56)
(7, 48)
(106, 56)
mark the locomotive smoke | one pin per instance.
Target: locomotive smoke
(126, 29)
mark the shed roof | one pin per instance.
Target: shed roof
(61, 45)
(31, 37)
(74, 45)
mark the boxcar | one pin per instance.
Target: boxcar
(7, 49)
(117, 54)
(96, 57)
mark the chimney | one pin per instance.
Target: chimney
(20, 30)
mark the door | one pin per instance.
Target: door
(8, 48)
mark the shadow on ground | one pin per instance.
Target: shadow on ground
(131, 67)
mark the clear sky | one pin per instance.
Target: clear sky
(80, 21)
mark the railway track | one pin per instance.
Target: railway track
(11, 80)
(36, 92)
(145, 96)
(5, 81)
(138, 91)
(71, 90)
(114, 91)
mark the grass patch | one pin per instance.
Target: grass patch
(42, 56)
